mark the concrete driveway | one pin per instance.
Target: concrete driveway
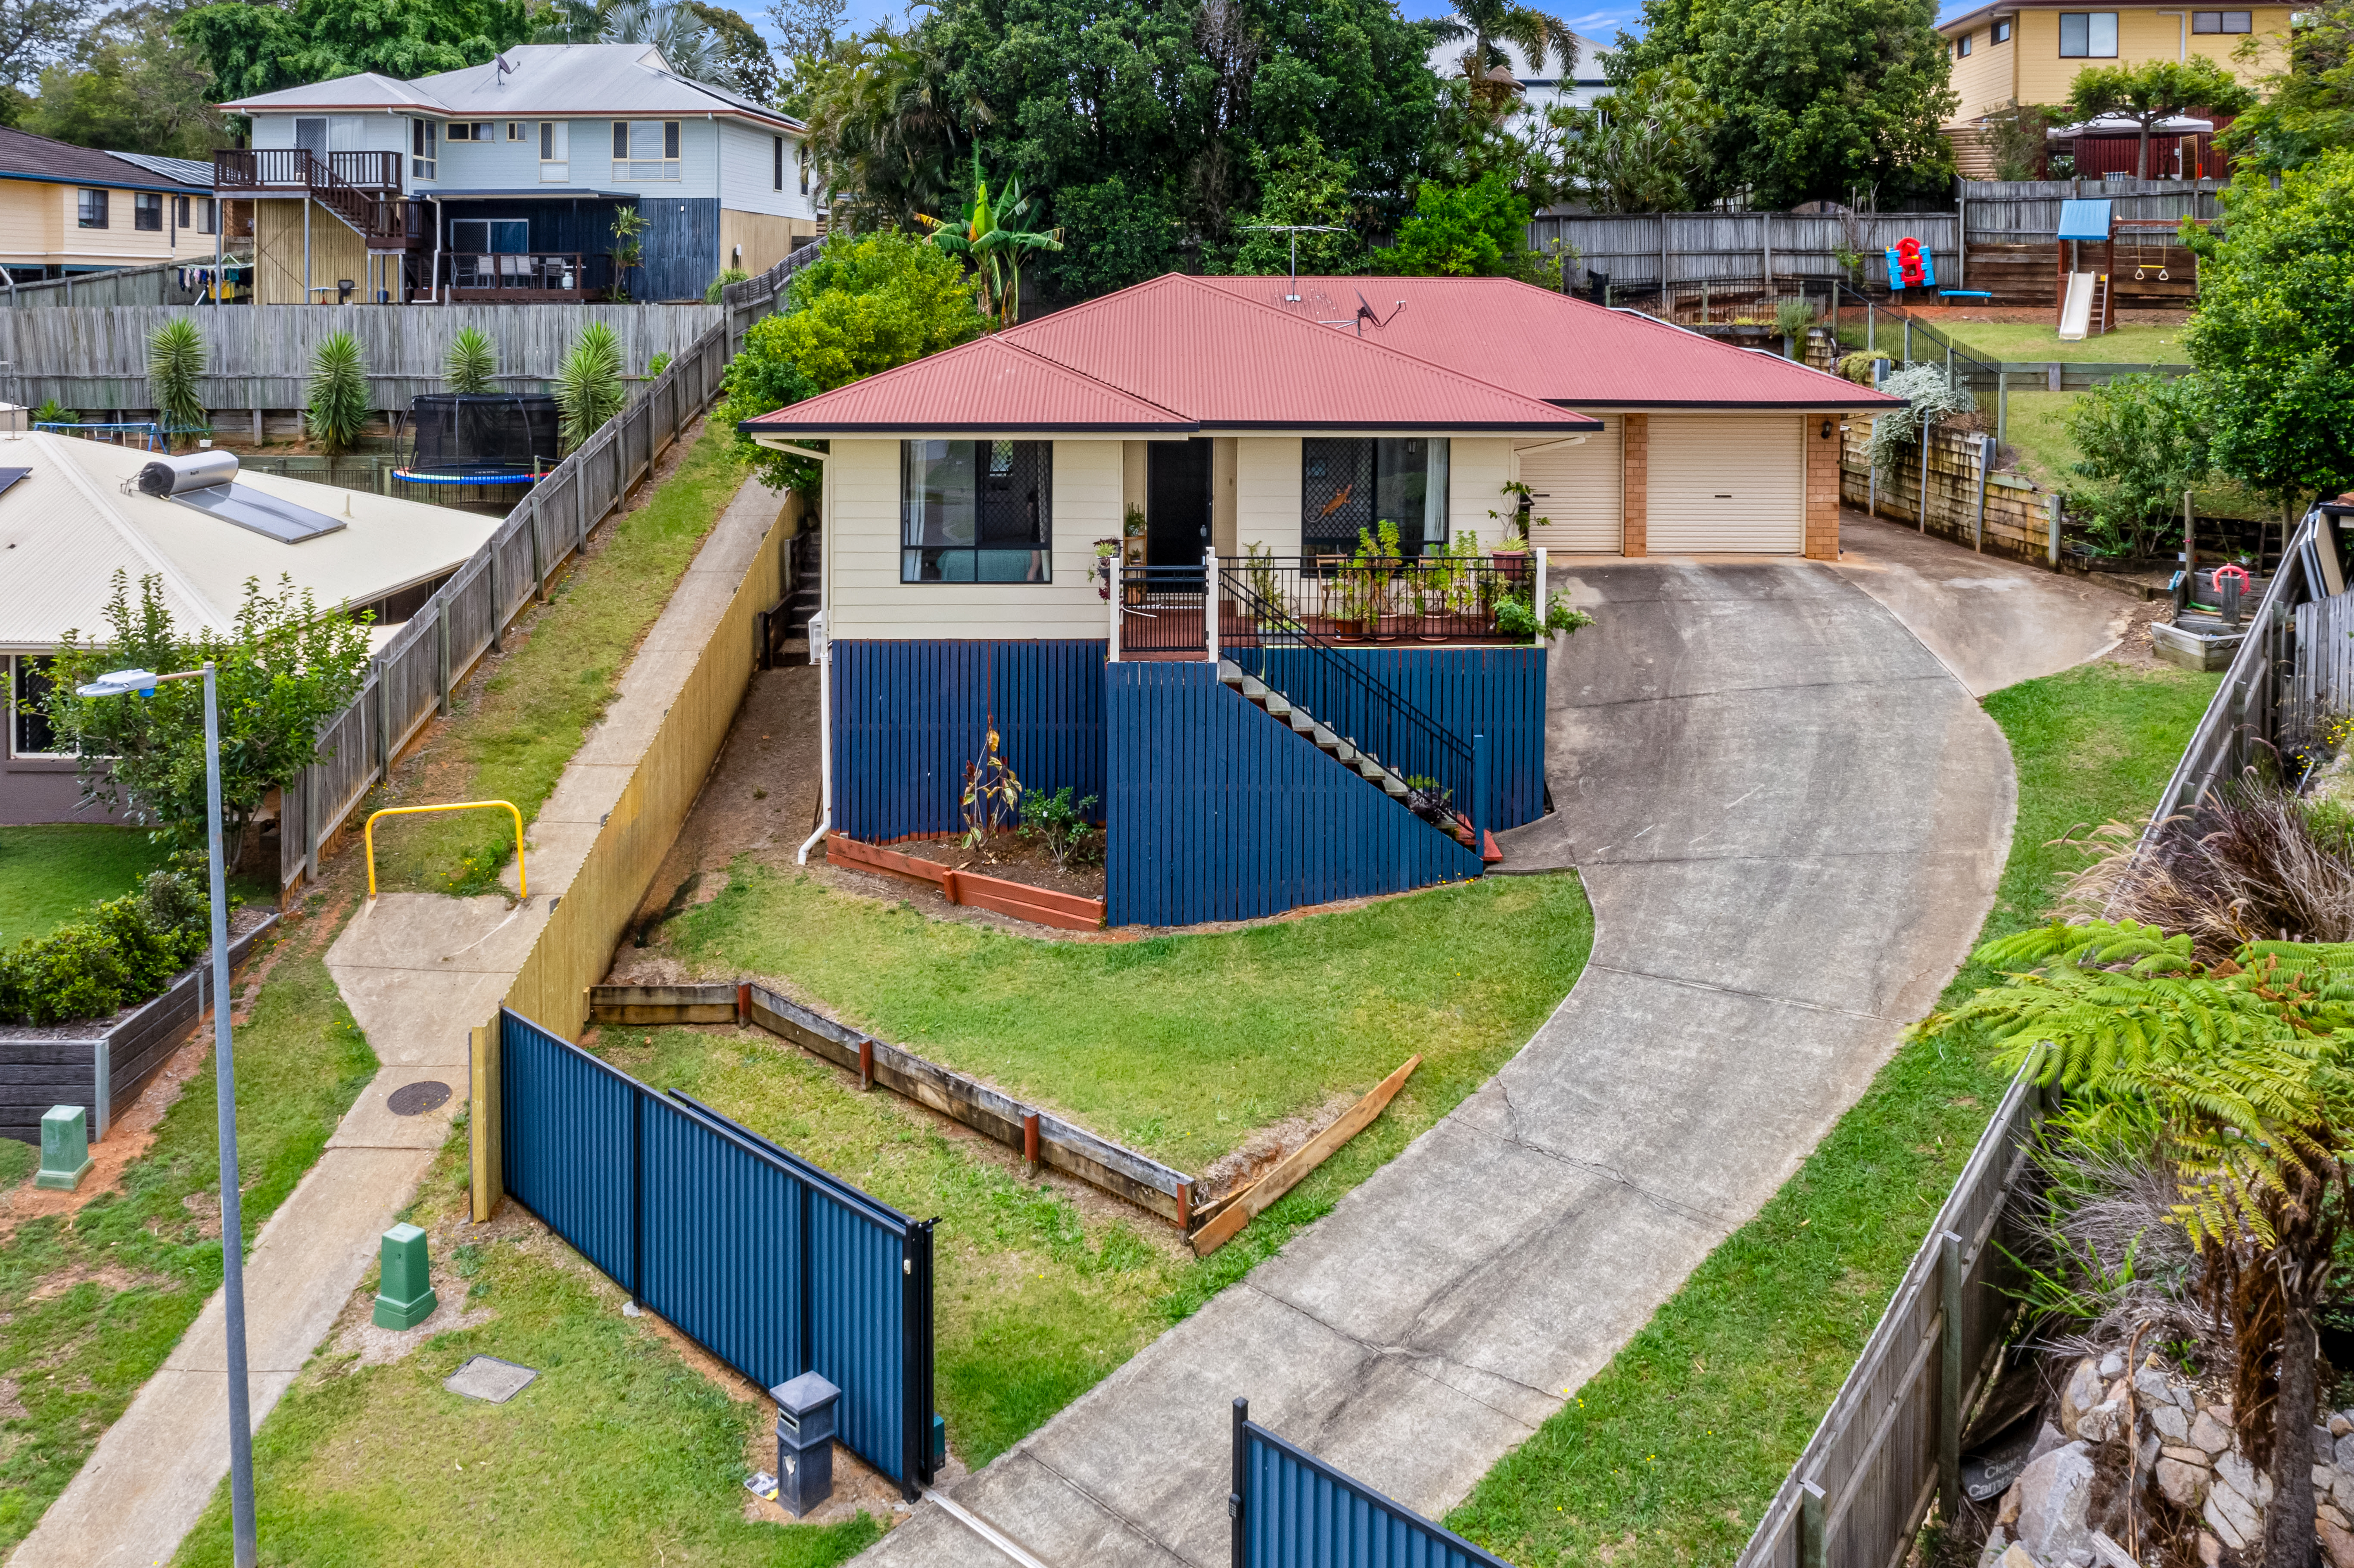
(1790, 815)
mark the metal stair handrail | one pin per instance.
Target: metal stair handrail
(1376, 695)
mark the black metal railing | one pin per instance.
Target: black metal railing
(1354, 600)
(1161, 612)
(1286, 651)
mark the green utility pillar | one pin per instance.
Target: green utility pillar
(406, 1296)
(65, 1148)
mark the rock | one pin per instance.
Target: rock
(2115, 1392)
(2009, 1513)
(2147, 1455)
(2055, 1501)
(2339, 1426)
(2337, 1543)
(2113, 1365)
(2232, 1517)
(2016, 1556)
(2322, 1477)
(2325, 1447)
(2211, 1551)
(2209, 1434)
(2183, 1454)
(2234, 1471)
(1997, 1542)
(2109, 1555)
(2101, 1422)
(2155, 1388)
(2047, 1438)
(2221, 1411)
(2333, 1513)
(2170, 1423)
(2084, 1391)
(2341, 1491)
(2342, 1453)
(2183, 1485)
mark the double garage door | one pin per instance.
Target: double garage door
(1719, 484)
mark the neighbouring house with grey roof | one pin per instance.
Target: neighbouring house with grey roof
(501, 182)
(68, 209)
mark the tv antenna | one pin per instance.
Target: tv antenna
(1296, 231)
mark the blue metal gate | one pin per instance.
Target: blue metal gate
(770, 1264)
(1291, 1510)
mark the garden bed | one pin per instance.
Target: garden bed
(1023, 900)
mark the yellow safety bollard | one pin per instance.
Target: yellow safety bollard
(523, 885)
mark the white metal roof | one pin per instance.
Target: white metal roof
(68, 527)
(541, 79)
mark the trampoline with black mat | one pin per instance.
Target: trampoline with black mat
(490, 441)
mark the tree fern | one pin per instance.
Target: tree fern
(175, 361)
(473, 360)
(588, 383)
(338, 407)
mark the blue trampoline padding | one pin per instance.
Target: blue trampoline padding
(507, 478)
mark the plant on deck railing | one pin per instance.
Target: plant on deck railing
(1365, 581)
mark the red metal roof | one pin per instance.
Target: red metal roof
(1172, 356)
(1544, 345)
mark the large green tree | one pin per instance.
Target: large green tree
(2273, 339)
(1820, 98)
(1302, 184)
(131, 86)
(2307, 107)
(1640, 147)
(2155, 90)
(1475, 230)
(252, 49)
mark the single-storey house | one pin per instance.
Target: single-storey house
(1232, 555)
(501, 182)
(72, 516)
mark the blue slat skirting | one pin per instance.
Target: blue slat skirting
(909, 716)
(1217, 811)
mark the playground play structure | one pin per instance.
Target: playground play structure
(2085, 304)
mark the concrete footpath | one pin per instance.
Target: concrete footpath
(1790, 817)
(417, 971)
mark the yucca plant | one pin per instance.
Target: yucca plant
(339, 395)
(175, 359)
(473, 360)
(589, 385)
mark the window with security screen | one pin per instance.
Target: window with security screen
(1357, 482)
(976, 511)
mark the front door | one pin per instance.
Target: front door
(1176, 503)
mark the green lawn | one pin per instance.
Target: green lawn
(510, 736)
(621, 1454)
(1997, 342)
(53, 872)
(1671, 1454)
(121, 1281)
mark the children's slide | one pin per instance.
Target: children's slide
(2077, 315)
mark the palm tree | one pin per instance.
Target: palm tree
(670, 26)
(995, 245)
(1489, 25)
(884, 124)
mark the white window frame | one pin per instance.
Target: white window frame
(780, 150)
(555, 152)
(2222, 21)
(16, 662)
(627, 166)
(424, 149)
(514, 130)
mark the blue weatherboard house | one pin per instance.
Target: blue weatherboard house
(500, 183)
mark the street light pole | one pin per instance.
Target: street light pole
(240, 1414)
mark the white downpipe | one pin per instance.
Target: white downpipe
(822, 645)
(1114, 593)
(1210, 600)
(1541, 596)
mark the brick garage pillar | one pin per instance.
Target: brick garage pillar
(1822, 485)
(1635, 485)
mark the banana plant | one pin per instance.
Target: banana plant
(995, 246)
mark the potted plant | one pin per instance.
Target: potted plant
(1370, 569)
(1104, 550)
(1511, 551)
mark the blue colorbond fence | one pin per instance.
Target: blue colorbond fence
(1291, 1510)
(1496, 691)
(908, 717)
(1217, 811)
(770, 1264)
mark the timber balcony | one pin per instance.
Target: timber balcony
(361, 188)
(1266, 601)
(538, 277)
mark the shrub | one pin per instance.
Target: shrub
(726, 275)
(1058, 823)
(2143, 441)
(589, 385)
(123, 951)
(473, 360)
(339, 395)
(1928, 396)
(176, 360)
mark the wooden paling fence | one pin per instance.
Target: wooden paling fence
(410, 680)
(1638, 250)
(1890, 1441)
(159, 283)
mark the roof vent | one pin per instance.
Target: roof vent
(203, 482)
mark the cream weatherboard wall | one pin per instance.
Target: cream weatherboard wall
(864, 597)
(1577, 486)
(1731, 483)
(1266, 492)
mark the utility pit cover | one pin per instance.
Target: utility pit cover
(487, 1377)
(416, 1099)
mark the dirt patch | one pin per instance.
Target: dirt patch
(1012, 858)
(114, 1278)
(1263, 1150)
(2135, 649)
(12, 1408)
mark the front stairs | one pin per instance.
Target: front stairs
(1364, 764)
